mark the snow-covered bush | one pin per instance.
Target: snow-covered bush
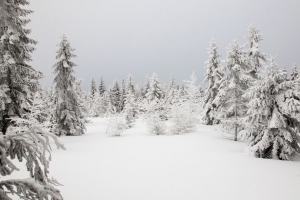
(182, 119)
(116, 125)
(155, 124)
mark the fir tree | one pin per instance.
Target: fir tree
(154, 92)
(213, 77)
(229, 100)
(295, 72)
(93, 89)
(273, 119)
(130, 109)
(18, 80)
(257, 58)
(101, 88)
(18, 83)
(67, 112)
(114, 98)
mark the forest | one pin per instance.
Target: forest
(247, 95)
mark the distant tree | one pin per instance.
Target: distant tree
(295, 72)
(114, 98)
(154, 92)
(122, 95)
(101, 88)
(256, 58)
(67, 111)
(93, 89)
(273, 119)
(213, 77)
(130, 107)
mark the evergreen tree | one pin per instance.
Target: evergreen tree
(18, 83)
(122, 95)
(101, 89)
(18, 80)
(295, 72)
(193, 94)
(257, 58)
(114, 98)
(154, 92)
(67, 112)
(93, 89)
(273, 119)
(213, 77)
(229, 100)
(130, 109)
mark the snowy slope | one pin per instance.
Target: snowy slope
(140, 166)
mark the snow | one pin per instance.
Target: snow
(138, 165)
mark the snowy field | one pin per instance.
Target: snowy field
(140, 166)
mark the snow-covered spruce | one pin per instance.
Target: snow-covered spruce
(273, 119)
(230, 104)
(114, 98)
(32, 146)
(101, 88)
(68, 116)
(18, 80)
(93, 88)
(213, 76)
(256, 58)
(155, 124)
(130, 105)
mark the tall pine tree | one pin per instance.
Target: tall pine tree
(213, 78)
(18, 80)
(68, 115)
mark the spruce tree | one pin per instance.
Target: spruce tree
(154, 92)
(18, 80)
(67, 109)
(229, 101)
(93, 89)
(213, 76)
(18, 83)
(295, 72)
(130, 107)
(114, 98)
(101, 88)
(256, 58)
(273, 119)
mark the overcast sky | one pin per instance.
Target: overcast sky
(113, 38)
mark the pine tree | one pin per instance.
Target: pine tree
(295, 72)
(93, 89)
(67, 112)
(154, 92)
(18, 83)
(193, 94)
(122, 95)
(130, 109)
(257, 58)
(114, 98)
(18, 80)
(213, 77)
(273, 119)
(229, 101)
(101, 88)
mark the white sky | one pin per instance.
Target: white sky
(113, 38)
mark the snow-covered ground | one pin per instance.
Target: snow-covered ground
(140, 166)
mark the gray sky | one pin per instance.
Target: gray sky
(113, 38)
